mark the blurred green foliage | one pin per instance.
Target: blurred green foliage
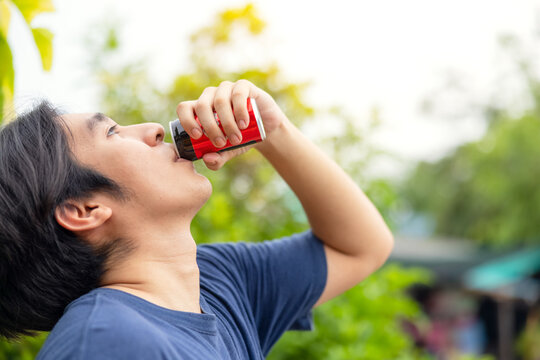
(25, 349)
(250, 201)
(487, 190)
(363, 323)
(528, 344)
(29, 9)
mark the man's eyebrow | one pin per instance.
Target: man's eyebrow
(94, 120)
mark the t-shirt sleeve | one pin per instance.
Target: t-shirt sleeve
(282, 280)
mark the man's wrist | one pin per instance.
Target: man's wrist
(276, 140)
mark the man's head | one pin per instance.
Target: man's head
(72, 187)
(160, 187)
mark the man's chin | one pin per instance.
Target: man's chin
(206, 190)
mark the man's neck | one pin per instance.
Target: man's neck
(162, 270)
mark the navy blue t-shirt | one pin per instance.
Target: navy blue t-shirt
(251, 293)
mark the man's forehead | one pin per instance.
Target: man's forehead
(84, 122)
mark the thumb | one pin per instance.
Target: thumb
(214, 161)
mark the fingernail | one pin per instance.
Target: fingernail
(243, 124)
(196, 133)
(220, 142)
(235, 140)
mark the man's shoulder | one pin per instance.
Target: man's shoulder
(230, 256)
(101, 308)
(226, 250)
(223, 263)
(96, 319)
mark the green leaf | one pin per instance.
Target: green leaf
(7, 77)
(43, 39)
(5, 16)
(1, 105)
(31, 8)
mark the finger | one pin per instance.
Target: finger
(213, 161)
(239, 95)
(186, 115)
(222, 105)
(204, 108)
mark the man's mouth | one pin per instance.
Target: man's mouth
(177, 158)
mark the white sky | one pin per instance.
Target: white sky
(390, 54)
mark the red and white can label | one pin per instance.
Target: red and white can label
(193, 149)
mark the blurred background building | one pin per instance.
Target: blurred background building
(481, 299)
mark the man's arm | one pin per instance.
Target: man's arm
(357, 241)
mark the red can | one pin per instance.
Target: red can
(194, 149)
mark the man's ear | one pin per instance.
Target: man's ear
(81, 215)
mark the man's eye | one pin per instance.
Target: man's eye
(113, 130)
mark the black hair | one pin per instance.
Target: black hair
(43, 266)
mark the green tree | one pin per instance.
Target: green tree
(487, 190)
(29, 9)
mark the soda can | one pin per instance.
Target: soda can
(194, 149)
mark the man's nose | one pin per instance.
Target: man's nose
(152, 133)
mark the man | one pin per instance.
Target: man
(95, 237)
